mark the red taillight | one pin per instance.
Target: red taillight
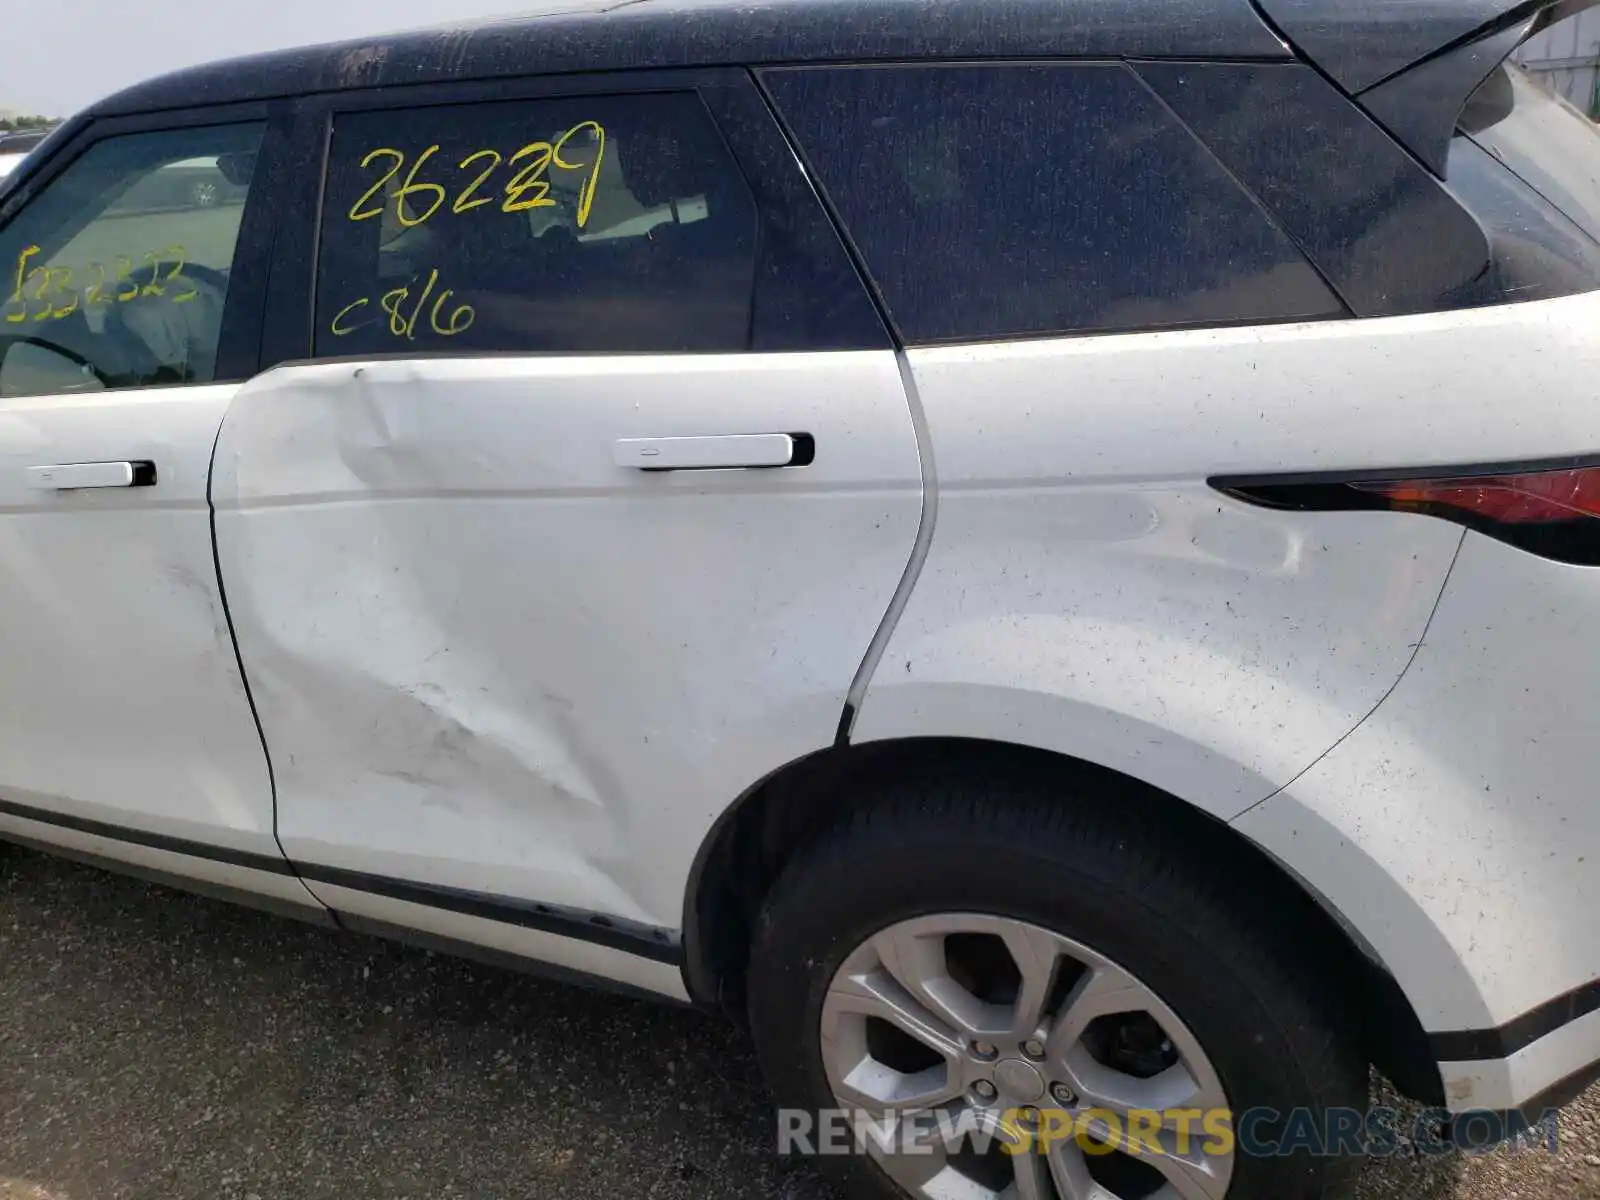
(1536, 497)
(1553, 513)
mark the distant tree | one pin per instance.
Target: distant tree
(24, 121)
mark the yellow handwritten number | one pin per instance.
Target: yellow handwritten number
(180, 259)
(460, 320)
(412, 186)
(390, 303)
(586, 192)
(153, 265)
(527, 180)
(527, 188)
(403, 324)
(41, 293)
(463, 203)
(21, 315)
(125, 269)
(357, 213)
(61, 283)
(54, 289)
(96, 292)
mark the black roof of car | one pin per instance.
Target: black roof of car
(1361, 43)
(599, 35)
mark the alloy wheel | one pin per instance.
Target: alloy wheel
(947, 1025)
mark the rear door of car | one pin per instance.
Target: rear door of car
(583, 488)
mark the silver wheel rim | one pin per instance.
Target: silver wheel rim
(205, 194)
(926, 1031)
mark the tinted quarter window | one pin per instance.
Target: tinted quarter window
(1379, 226)
(115, 275)
(605, 223)
(1005, 201)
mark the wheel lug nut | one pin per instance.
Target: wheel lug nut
(984, 1091)
(1033, 1049)
(1029, 1115)
(984, 1051)
(1062, 1095)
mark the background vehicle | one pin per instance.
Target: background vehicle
(15, 146)
(192, 183)
(996, 550)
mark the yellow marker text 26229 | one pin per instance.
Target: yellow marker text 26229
(420, 198)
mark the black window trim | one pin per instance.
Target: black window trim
(239, 343)
(776, 180)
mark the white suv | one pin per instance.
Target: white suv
(1042, 554)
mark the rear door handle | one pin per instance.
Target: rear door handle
(707, 453)
(62, 477)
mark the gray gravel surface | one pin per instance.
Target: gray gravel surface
(159, 1045)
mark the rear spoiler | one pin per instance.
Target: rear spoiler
(1413, 64)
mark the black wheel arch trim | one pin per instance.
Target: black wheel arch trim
(615, 933)
(1475, 1045)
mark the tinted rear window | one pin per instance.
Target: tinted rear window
(1008, 201)
(594, 224)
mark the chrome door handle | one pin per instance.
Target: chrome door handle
(62, 477)
(706, 453)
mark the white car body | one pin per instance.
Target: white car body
(1324, 682)
(411, 642)
(519, 736)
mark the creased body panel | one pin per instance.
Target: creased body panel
(488, 657)
(1087, 592)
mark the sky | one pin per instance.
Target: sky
(56, 56)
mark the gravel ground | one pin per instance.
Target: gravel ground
(154, 1044)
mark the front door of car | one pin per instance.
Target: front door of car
(582, 522)
(128, 316)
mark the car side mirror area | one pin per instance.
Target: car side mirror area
(33, 366)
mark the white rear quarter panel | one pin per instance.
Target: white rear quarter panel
(1087, 592)
(1458, 828)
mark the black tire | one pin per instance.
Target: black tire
(1239, 973)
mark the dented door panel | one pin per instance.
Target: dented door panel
(487, 657)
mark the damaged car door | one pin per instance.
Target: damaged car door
(579, 520)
